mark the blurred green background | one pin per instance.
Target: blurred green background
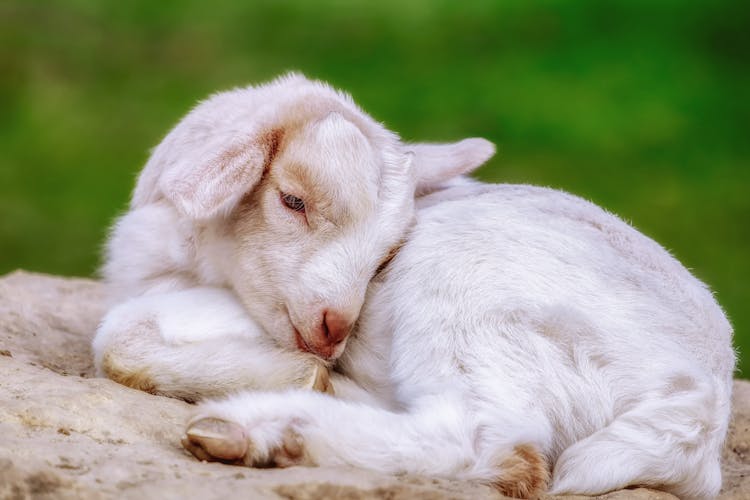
(641, 106)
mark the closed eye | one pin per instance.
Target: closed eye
(293, 203)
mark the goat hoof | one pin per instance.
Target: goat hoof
(321, 380)
(216, 440)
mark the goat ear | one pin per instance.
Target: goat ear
(212, 180)
(437, 163)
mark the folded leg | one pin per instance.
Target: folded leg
(670, 442)
(196, 343)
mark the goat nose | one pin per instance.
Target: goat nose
(336, 326)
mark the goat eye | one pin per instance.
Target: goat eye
(293, 203)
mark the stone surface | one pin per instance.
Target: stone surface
(65, 434)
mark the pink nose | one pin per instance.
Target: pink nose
(334, 328)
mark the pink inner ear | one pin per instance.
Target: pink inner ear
(437, 163)
(211, 187)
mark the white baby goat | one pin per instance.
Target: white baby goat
(519, 332)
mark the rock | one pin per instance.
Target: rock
(736, 457)
(66, 434)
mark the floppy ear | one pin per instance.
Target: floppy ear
(214, 173)
(436, 163)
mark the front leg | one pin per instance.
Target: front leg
(303, 428)
(194, 344)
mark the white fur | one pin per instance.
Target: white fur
(521, 315)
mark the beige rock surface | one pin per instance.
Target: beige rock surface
(65, 434)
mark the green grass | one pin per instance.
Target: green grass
(641, 106)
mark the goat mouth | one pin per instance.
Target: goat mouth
(326, 354)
